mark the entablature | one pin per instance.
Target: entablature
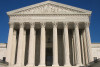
(50, 18)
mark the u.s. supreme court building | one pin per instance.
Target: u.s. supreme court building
(49, 34)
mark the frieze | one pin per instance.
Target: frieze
(52, 18)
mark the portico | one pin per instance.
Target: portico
(58, 35)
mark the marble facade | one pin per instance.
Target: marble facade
(3, 48)
(49, 34)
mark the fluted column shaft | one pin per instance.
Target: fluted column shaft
(78, 49)
(55, 45)
(85, 48)
(88, 42)
(24, 45)
(10, 41)
(82, 48)
(31, 57)
(13, 48)
(20, 45)
(74, 49)
(42, 45)
(66, 45)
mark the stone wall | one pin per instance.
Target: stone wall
(2, 50)
(95, 50)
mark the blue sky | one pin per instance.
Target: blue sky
(93, 5)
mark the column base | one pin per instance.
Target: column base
(55, 65)
(67, 65)
(46, 66)
(81, 65)
(29, 65)
(18, 65)
(11, 64)
(42, 65)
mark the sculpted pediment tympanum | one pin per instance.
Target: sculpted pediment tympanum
(48, 7)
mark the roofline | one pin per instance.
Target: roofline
(3, 43)
(52, 2)
(95, 43)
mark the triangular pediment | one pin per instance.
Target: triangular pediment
(49, 7)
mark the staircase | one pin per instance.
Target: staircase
(95, 63)
(3, 64)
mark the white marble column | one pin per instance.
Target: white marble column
(13, 52)
(55, 45)
(20, 45)
(78, 48)
(74, 49)
(66, 46)
(82, 47)
(42, 45)
(10, 41)
(85, 48)
(31, 57)
(23, 49)
(88, 42)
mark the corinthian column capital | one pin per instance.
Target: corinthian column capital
(55, 24)
(65, 24)
(32, 24)
(21, 25)
(43, 24)
(76, 25)
(11, 24)
(87, 24)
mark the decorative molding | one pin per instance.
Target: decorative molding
(22, 25)
(56, 20)
(32, 24)
(87, 24)
(76, 24)
(95, 45)
(43, 24)
(65, 24)
(3, 45)
(51, 14)
(48, 9)
(55, 24)
(45, 18)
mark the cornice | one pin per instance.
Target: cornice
(43, 23)
(74, 8)
(95, 46)
(3, 45)
(49, 14)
